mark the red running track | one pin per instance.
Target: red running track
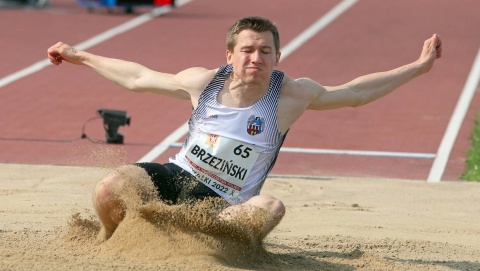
(41, 115)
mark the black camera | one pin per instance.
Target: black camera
(112, 120)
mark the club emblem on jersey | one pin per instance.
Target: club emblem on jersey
(255, 125)
(212, 140)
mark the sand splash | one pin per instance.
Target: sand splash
(155, 231)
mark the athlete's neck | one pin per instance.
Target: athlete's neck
(236, 93)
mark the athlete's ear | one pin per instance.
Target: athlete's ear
(229, 56)
(277, 58)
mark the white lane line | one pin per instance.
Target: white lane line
(320, 24)
(349, 152)
(165, 144)
(137, 21)
(112, 32)
(443, 153)
(286, 51)
(24, 72)
(361, 153)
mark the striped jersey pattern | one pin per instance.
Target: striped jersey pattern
(214, 118)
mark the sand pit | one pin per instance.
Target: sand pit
(47, 223)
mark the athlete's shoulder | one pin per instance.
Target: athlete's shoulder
(195, 76)
(299, 85)
(194, 80)
(301, 88)
(198, 71)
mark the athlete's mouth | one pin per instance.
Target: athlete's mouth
(254, 68)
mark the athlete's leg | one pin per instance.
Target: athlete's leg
(112, 192)
(274, 208)
(107, 204)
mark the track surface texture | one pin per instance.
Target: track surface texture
(42, 114)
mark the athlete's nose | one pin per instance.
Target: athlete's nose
(255, 57)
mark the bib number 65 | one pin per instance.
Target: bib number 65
(242, 151)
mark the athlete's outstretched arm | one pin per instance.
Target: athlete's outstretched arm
(368, 88)
(129, 75)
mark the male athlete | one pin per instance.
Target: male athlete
(241, 114)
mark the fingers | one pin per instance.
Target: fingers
(433, 47)
(54, 53)
(437, 42)
(55, 59)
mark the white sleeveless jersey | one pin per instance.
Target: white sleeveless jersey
(232, 150)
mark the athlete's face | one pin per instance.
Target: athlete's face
(254, 56)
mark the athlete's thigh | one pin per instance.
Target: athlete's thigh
(167, 179)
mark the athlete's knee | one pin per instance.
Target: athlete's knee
(104, 191)
(269, 203)
(107, 185)
(107, 203)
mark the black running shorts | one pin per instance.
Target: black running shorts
(175, 185)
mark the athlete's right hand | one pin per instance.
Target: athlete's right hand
(63, 52)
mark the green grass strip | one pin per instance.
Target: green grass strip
(472, 169)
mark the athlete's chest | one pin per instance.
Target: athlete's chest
(247, 124)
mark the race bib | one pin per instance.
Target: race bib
(222, 163)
